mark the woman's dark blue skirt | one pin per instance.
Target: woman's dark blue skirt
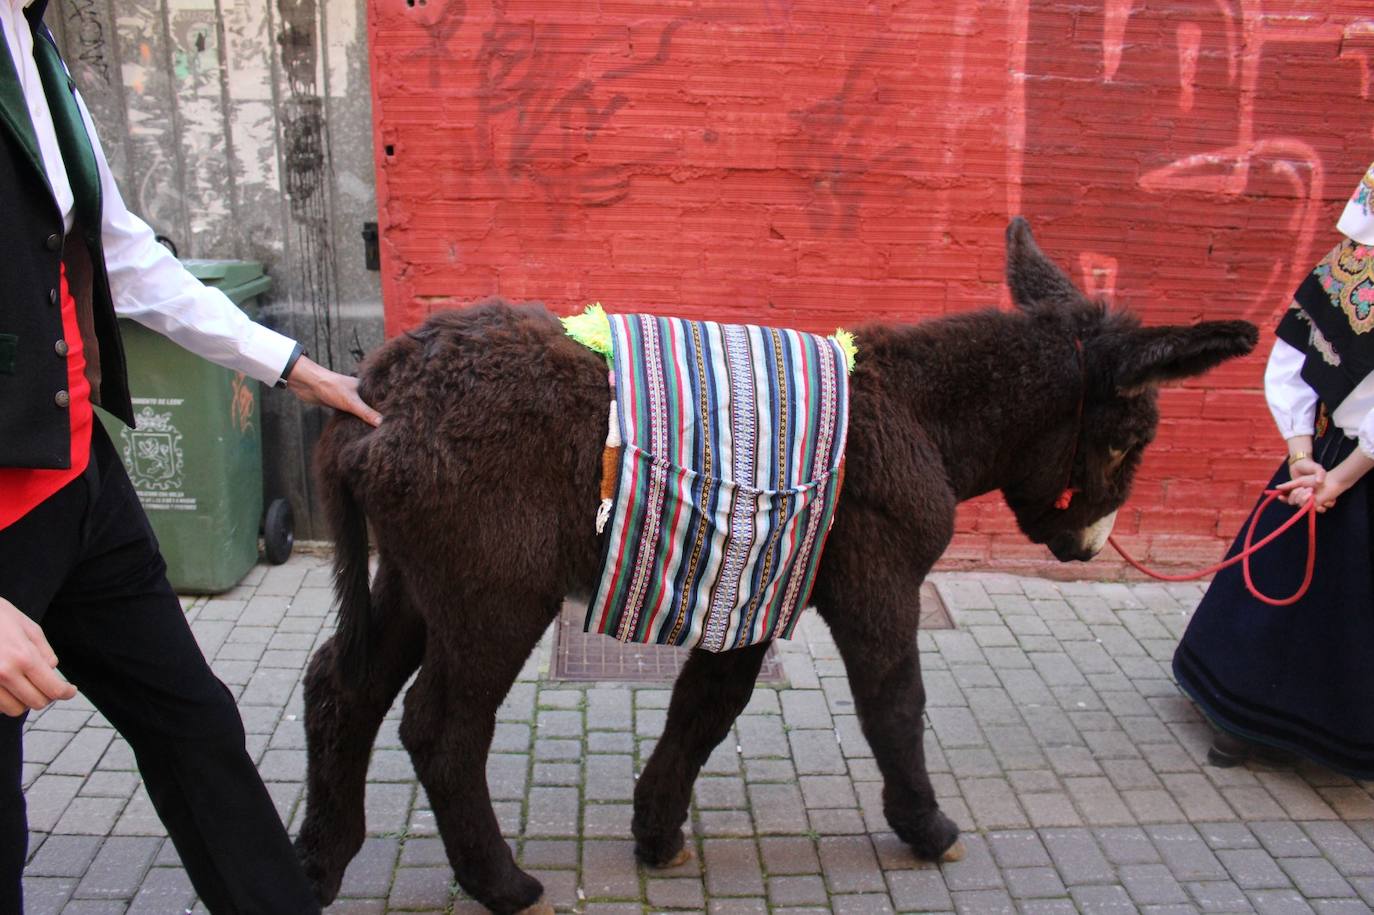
(1301, 677)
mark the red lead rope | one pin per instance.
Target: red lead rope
(1309, 509)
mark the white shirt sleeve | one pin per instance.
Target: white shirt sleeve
(1292, 402)
(151, 286)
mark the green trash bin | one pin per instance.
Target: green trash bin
(195, 454)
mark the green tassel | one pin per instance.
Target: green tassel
(591, 328)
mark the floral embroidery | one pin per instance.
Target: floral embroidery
(1347, 275)
(1365, 192)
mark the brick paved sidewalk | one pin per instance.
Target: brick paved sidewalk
(1058, 741)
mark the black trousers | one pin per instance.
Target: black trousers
(86, 566)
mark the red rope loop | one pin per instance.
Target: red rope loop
(1309, 509)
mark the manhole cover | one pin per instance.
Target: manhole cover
(579, 655)
(586, 656)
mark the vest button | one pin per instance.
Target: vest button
(54, 242)
(60, 347)
(52, 296)
(62, 398)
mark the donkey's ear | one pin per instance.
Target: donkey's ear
(1149, 356)
(1034, 279)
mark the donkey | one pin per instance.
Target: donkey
(482, 483)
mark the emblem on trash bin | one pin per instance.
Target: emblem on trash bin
(152, 452)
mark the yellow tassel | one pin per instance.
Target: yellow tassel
(591, 328)
(847, 345)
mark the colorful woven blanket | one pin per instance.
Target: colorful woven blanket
(725, 479)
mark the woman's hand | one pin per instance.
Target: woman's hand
(1311, 481)
(28, 667)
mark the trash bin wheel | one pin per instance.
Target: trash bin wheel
(278, 531)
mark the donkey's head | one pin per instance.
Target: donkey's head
(1068, 498)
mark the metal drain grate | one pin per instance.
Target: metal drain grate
(585, 656)
(582, 656)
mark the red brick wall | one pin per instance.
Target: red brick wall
(817, 163)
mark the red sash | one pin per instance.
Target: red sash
(23, 489)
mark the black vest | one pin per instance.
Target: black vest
(35, 426)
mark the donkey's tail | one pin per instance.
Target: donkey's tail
(351, 587)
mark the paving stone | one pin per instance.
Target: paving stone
(163, 890)
(1077, 856)
(805, 709)
(1343, 847)
(920, 890)
(565, 774)
(606, 820)
(1316, 877)
(1253, 869)
(776, 808)
(850, 865)
(1018, 849)
(421, 888)
(420, 852)
(785, 855)
(762, 735)
(47, 798)
(1284, 839)
(1123, 845)
(861, 904)
(609, 870)
(1228, 835)
(1093, 900)
(369, 873)
(796, 891)
(754, 906)
(1048, 907)
(726, 823)
(63, 856)
(732, 867)
(993, 902)
(1279, 902)
(683, 893)
(90, 816)
(1151, 884)
(118, 868)
(816, 752)
(1031, 882)
(844, 822)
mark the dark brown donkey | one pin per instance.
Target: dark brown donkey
(481, 489)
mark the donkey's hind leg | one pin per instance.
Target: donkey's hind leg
(340, 725)
(449, 720)
(885, 678)
(711, 691)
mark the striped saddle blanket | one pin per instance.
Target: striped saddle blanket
(724, 483)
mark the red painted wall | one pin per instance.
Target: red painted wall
(815, 163)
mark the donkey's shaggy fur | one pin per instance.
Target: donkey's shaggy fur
(482, 483)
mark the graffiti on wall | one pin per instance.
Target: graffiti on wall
(549, 90)
(1214, 138)
(86, 41)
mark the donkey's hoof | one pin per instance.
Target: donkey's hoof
(684, 854)
(540, 907)
(955, 852)
(931, 835)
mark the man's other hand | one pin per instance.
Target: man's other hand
(28, 666)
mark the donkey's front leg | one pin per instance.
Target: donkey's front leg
(885, 679)
(711, 691)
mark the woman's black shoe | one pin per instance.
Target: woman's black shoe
(1228, 750)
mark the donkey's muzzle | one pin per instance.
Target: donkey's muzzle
(1084, 544)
